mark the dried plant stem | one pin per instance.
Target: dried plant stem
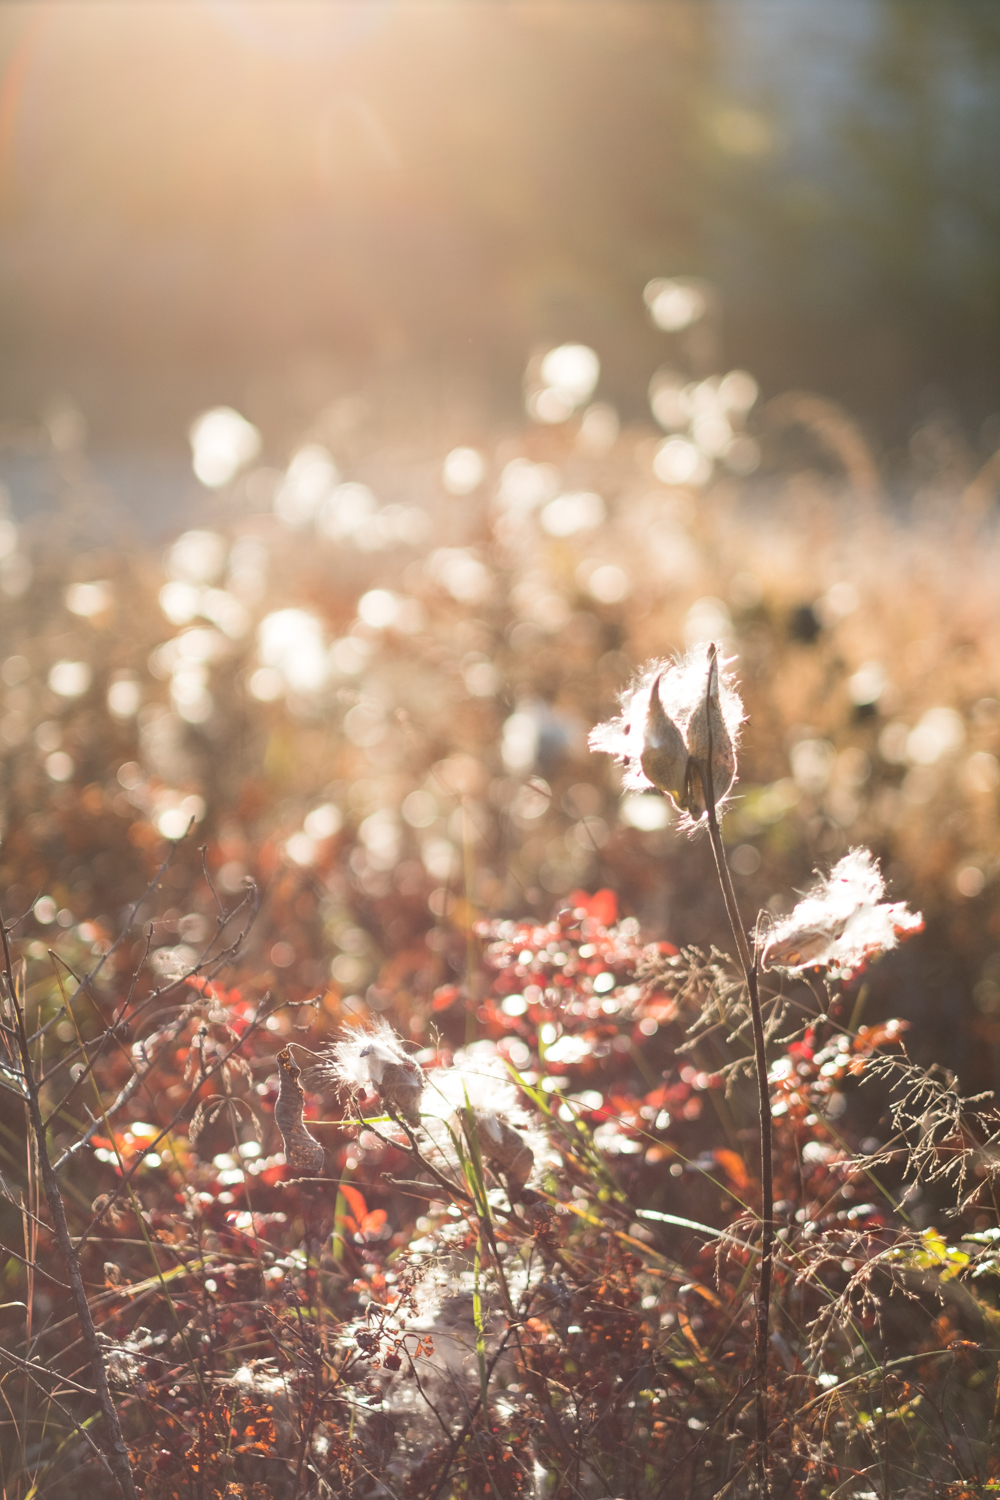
(470, 1420)
(118, 1458)
(748, 963)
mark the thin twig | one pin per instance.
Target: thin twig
(203, 851)
(33, 1372)
(140, 1076)
(203, 1076)
(126, 927)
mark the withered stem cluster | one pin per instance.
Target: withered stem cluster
(117, 1452)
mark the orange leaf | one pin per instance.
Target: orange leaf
(734, 1167)
(602, 905)
(355, 1201)
(372, 1222)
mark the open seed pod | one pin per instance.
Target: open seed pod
(664, 754)
(505, 1150)
(400, 1085)
(707, 723)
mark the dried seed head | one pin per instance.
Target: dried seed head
(105, 1206)
(375, 1056)
(479, 1081)
(842, 921)
(505, 1150)
(661, 736)
(400, 1086)
(664, 755)
(706, 725)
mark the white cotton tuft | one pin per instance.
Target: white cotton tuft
(374, 1055)
(479, 1080)
(478, 1077)
(841, 921)
(362, 1055)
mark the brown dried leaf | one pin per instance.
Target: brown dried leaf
(302, 1150)
(106, 1208)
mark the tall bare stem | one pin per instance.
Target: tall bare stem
(748, 963)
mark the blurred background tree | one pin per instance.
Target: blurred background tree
(856, 202)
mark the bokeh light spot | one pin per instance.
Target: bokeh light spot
(464, 471)
(222, 443)
(70, 679)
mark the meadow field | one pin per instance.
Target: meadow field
(305, 798)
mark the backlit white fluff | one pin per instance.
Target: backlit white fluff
(841, 921)
(661, 732)
(478, 1079)
(374, 1055)
(477, 1075)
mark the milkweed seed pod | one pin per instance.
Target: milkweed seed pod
(661, 736)
(400, 1085)
(842, 921)
(302, 1150)
(375, 1056)
(505, 1150)
(476, 1094)
(707, 723)
(664, 755)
